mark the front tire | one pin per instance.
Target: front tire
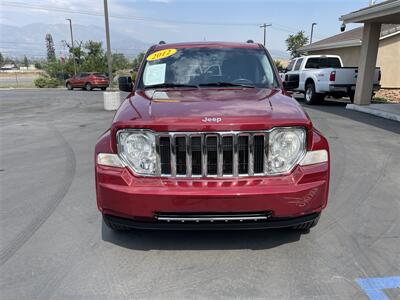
(114, 226)
(103, 88)
(351, 96)
(88, 86)
(310, 96)
(69, 87)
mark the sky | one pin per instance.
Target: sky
(180, 21)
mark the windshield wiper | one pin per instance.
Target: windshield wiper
(221, 83)
(170, 85)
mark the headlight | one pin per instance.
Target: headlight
(138, 149)
(286, 147)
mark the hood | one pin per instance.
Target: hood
(211, 109)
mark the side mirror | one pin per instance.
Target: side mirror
(125, 83)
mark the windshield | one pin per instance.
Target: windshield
(197, 67)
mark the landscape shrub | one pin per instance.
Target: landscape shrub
(46, 82)
(40, 82)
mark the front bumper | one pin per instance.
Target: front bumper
(348, 88)
(139, 199)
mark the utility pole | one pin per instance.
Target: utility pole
(265, 30)
(312, 31)
(72, 44)
(109, 56)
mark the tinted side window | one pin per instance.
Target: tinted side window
(298, 63)
(312, 63)
(329, 62)
(100, 75)
(290, 65)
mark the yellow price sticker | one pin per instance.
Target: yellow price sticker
(161, 54)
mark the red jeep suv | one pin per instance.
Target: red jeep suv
(88, 81)
(209, 139)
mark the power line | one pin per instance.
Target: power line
(60, 44)
(275, 26)
(135, 18)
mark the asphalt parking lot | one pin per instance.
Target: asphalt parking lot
(54, 245)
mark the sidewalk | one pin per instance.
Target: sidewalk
(387, 111)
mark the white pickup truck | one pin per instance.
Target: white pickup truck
(318, 76)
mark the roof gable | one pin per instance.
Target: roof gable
(349, 38)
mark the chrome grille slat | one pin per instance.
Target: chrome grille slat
(250, 168)
(211, 154)
(181, 149)
(158, 157)
(243, 159)
(235, 155)
(165, 153)
(265, 152)
(173, 155)
(227, 155)
(220, 153)
(196, 155)
(188, 156)
(203, 156)
(259, 159)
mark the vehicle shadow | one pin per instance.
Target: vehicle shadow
(338, 108)
(146, 240)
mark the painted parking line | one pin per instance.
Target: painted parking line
(374, 287)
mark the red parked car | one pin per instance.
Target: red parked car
(88, 81)
(209, 139)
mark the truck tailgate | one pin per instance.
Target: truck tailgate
(348, 76)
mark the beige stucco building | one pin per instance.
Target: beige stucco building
(348, 46)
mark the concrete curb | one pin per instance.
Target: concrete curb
(374, 111)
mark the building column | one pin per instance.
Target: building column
(367, 63)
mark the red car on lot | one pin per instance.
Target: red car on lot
(88, 81)
(209, 139)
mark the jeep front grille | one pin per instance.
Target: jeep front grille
(209, 154)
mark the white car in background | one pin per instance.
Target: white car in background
(318, 76)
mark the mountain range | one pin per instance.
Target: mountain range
(29, 40)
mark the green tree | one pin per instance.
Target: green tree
(137, 61)
(26, 62)
(94, 49)
(1, 60)
(53, 69)
(77, 52)
(39, 65)
(94, 58)
(51, 52)
(120, 62)
(294, 42)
